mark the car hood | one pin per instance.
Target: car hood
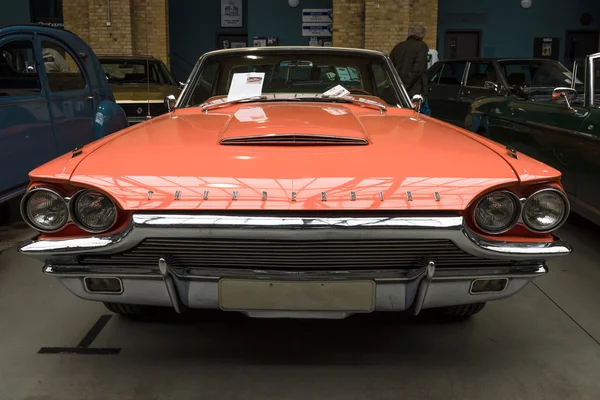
(177, 161)
(142, 91)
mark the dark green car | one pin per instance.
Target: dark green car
(558, 124)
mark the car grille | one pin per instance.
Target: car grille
(131, 109)
(294, 254)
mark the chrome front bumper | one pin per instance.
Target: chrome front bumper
(423, 286)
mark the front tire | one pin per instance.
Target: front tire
(462, 311)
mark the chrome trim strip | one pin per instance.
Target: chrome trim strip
(296, 228)
(399, 275)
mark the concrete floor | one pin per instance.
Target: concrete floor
(541, 344)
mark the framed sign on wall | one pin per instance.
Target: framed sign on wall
(231, 14)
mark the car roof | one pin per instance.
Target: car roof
(275, 49)
(125, 57)
(489, 59)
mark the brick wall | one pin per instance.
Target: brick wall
(136, 26)
(349, 23)
(380, 24)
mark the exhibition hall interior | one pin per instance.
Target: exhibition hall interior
(299, 199)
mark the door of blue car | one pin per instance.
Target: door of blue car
(26, 139)
(69, 94)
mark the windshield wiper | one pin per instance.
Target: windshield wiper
(223, 102)
(353, 100)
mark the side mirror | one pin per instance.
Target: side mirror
(565, 93)
(417, 102)
(491, 85)
(170, 101)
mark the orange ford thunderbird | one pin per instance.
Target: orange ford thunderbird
(295, 182)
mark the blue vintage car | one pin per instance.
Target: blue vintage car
(54, 97)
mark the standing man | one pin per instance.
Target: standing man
(410, 59)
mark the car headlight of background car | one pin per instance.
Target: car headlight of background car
(497, 212)
(45, 210)
(545, 210)
(94, 211)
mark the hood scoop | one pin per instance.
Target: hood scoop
(294, 139)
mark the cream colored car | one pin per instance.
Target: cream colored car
(140, 84)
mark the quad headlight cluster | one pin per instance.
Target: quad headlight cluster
(47, 211)
(543, 211)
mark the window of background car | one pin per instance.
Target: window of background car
(296, 72)
(434, 73)
(134, 71)
(596, 76)
(18, 76)
(62, 71)
(481, 72)
(452, 74)
(537, 74)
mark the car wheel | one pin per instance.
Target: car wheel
(133, 311)
(462, 311)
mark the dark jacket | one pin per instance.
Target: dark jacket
(410, 60)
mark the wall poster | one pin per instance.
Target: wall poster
(231, 14)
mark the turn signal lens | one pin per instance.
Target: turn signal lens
(497, 212)
(45, 210)
(94, 211)
(545, 210)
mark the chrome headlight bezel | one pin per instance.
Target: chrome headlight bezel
(513, 221)
(566, 211)
(76, 218)
(25, 213)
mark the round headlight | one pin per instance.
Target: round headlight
(94, 212)
(45, 210)
(545, 210)
(497, 212)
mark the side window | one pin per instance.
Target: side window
(205, 83)
(452, 73)
(517, 74)
(479, 73)
(18, 75)
(434, 73)
(595, 72)
(62, 71)
(383, 86)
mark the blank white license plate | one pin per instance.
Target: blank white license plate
(239, 294)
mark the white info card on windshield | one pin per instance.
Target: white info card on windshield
(246, 85)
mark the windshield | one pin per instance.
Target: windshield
(532, 75)
(136, 71)
(297, 73)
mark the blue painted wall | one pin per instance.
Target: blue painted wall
(14, 12)
(508, 29)
(277, 18)
(193, 29)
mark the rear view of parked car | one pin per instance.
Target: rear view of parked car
(53, 98)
